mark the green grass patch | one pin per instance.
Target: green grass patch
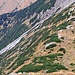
(63, 50)
(48, 64)
(53, 38)
(31, 68)
(21, 61)
(63, 25)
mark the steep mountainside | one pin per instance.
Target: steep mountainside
(48, 46)
(22, 20)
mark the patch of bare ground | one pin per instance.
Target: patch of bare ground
(40, 50)
(13, 55)
(60, 22)
(68, 44)
(55, 73)
(9, 5)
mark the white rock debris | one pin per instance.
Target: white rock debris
(49, 44)
(13, 74)
(69, 27)
(59, 33)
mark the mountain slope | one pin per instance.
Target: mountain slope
(11, 22)
(49, 47)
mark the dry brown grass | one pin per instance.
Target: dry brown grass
(11, 4)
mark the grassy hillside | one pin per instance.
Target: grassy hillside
(14, 23)
(48, 49)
